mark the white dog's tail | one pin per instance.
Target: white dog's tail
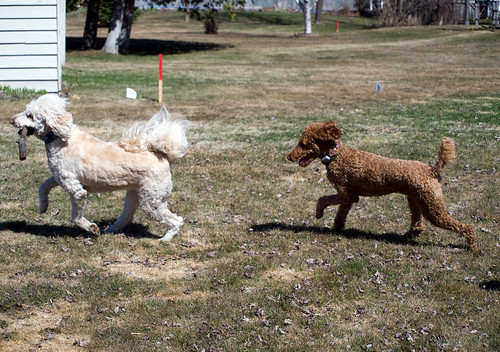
(161, 134)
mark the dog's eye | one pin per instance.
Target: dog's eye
(29, 115)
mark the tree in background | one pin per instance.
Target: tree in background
(319, 12)
(117, 15)
(120, 26)
(209, 11)
(306, 6)
(72, 5)
(416, 12)
(91, 24)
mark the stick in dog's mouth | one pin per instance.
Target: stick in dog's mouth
(21, 142)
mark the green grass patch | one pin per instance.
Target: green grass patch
(8, 93)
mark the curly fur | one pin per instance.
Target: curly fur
(150, 136)
(355, 173)
(80, 163)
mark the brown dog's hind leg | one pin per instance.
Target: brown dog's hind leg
(417, 220)
(440, 218)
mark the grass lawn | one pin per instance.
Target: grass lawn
(253, 270)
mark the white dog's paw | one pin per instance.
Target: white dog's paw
(88, 226)
(169, 235)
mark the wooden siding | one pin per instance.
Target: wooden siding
(32, 43)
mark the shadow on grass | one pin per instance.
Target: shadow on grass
(152, 46)
(349, 233)
(493, 285)
(132, 230)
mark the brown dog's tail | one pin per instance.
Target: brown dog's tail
(447, 155)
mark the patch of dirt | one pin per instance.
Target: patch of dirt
(43, 329)
(165, 268)
(288, 275)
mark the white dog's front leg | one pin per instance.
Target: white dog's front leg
(78, 196)
(43, 193)
(77, 210)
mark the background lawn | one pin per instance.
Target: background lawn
(253, 270)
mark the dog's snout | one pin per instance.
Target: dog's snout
(12, 121)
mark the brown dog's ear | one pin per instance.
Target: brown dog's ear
(329, 131)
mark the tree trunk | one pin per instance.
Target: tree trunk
(186, 12)
(466, 13)
(305, 6)
(128, 17)
(494, 15)
(319, 12)
(90, 32)
(111, 45)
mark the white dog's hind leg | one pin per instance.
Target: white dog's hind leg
(43, 193)
(158, 210)
(130, 206)
(174, 222)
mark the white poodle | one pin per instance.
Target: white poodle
(81, 164)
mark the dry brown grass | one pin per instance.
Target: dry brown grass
(253, 269)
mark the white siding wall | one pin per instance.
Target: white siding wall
(32, 43)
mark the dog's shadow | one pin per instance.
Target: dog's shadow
(132, 230)
(393, 238)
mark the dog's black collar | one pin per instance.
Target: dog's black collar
(333, 154)
(49, 137)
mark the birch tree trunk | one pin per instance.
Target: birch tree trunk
(307, 18)
(305, 6)
(111, 46)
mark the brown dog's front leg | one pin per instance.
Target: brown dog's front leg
(335, 199)
(324, 202)
(339, 223)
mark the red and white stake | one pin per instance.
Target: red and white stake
(160, 80)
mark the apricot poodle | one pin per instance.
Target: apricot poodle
(81, 164)
(356, 173)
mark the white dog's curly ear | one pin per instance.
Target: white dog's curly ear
(61, 125)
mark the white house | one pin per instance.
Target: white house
(32, 43)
